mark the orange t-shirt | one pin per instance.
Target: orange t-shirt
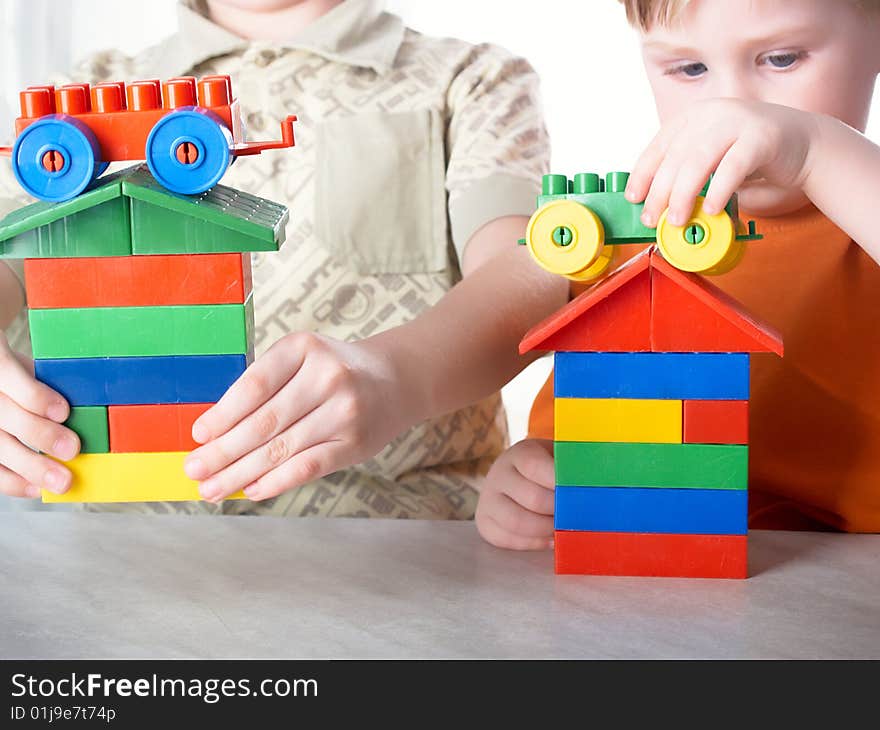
(814, 451)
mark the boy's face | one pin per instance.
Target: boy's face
(821, 56)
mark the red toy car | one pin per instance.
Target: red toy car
(189, 133)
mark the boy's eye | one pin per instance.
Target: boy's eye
(691, 70)
(781, 60)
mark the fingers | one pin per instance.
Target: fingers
(642, 175)
(290, 404)
(737, 165)
(530, 496)
(257, 384)
(518, 519)
(516, 504)
(717, 139)
(497, 535)
(39, 433)
(693, 170)
(304, 467)
(533, 460)
(34, 468)
(681, 175)
(31, 413)
(308, 432)
(12, 485)
(30, 394)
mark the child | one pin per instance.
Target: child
(769, 96)
(416, 164)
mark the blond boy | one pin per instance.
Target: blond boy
(772, 96)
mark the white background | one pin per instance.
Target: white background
(598, 106)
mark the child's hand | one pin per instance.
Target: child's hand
(31, 412)
(308, 407)
(734, 139)
(515, 510)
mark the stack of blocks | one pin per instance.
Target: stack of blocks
(651, 392)
(141, 315)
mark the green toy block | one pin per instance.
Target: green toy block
(213, 329)
(130, 213)
(222, 220)
(95, 223)
(91, 425)
(677, 466)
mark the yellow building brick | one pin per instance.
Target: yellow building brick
(618, 419)
(156, 477)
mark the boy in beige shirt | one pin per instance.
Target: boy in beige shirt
(385, 325)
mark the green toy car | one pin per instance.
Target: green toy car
(578, 220)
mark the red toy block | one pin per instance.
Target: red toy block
(619, 316)
(688, 314)
(138, 281)
(153, 428)
(643, 554)
(716, 421)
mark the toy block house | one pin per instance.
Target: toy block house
(651, 390)
(141, 316)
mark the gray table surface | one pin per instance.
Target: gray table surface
(88, 585)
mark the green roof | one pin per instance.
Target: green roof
(128, 213)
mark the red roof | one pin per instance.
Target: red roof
(650, 306)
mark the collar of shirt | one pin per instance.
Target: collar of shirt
(355, 32)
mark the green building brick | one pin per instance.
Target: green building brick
(91, 425)
(682, 466)
(213, 329)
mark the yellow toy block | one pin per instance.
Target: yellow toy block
(135, 477)
(618, 419)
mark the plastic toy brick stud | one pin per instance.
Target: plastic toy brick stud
(188, 132)
(577, 221)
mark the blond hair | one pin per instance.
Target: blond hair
(645, 13)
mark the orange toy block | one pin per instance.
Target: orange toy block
(619, 319)
(154, 428)
(716, 421)
(651, 554)
(688, 314)
(138, 281)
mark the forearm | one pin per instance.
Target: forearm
(11, 296)
(466, 346)
(843, 181)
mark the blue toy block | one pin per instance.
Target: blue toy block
(670, 511)
(652, 375)
(104, 381)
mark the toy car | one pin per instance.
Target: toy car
(577, 219)
(188, 132)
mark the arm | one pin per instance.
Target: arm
(312, 405)
(843, 180)
(481, 320)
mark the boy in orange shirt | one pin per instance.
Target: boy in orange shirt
(771, 96)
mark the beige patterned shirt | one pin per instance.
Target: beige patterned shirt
(405, 146)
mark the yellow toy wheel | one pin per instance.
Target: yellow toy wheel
(565, 237)
(606, 257)
(706, 244)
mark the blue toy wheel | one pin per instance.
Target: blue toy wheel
(189, 150)
(54, 158)
(101, 168)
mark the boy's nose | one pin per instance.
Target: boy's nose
(735, 85)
